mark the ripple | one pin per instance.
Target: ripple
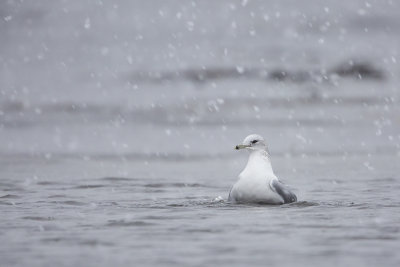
(7, 203)
(95, 242)
(57, 196)
(117, 179)
(48, 183)
(70, 202)
(8, 196)
(89, 186)
(176, 205)
(371, 237)
(53, 239)
(128, 223)
(164, 217)
(38, 218)
(322, 226)
(175, 185)
(302, 204)
(204, 230)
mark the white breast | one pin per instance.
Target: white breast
(253, 185)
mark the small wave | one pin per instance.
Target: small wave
(56, 196)
(47, 183)
(204, 230)
(88, 186)
(70, 202)
(195, 202)
(7, 203)
(360, 206)
(371, 237)
(128, 223)
(116, 179)
(95, 242)
(174, 205)
(53, 239)
(302, 204)
(10, 196)
(218, 199)
(38, 218)
(158, 185)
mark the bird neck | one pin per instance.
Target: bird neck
(259, 159)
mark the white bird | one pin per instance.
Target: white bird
(257, 182)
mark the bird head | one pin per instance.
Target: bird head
(253, 142)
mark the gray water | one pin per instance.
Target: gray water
(118, 121)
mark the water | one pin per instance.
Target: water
(346, 215)
(118, 123)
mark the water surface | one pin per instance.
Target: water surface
(118, 121)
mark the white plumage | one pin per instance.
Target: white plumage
(257, 182)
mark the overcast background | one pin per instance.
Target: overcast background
(157, 94)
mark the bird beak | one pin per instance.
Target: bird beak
(241, 147)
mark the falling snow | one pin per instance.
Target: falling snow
(118, 122)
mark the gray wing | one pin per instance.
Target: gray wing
(229, 197)
(283, 191)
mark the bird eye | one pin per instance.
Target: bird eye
(254, 141)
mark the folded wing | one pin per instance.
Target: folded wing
(283, 191)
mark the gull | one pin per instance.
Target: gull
(257, 182)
